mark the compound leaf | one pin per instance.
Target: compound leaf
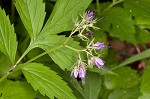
(8, 43)
(46, 81)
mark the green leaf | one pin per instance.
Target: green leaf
(140, 9)
(122, 24)
(16, 90)
(46, 81)
(63, 14)
(62, 56)
(8, 43)
(145, 84)
(142, 36)
(125, 78)
(92, 85)
(5, 64)
(32, 13)
(131, 93)
(142, 55)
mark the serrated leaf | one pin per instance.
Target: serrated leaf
(122, 25)
(131, 93)
(125, 78)
(63, 14)
(16, 90)
(46, 81)
(62, 56)
(8, 43)
(32, 13)
(140, 9)
(92, 85)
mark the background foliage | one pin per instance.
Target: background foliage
(35, 64)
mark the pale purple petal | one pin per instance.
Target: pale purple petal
(82, 72)
(76, 73)
(98, 45)
(90, 15)
(99, 62)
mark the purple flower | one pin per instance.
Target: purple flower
(82, 72)
(76, 72)
(79, 70)
(98, 45)
(90, 16)
(98, 62)
(89, 34)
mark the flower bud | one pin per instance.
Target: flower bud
(89, 34)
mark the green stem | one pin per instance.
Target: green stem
(74, 49)
(31, 46)
(20, 66)
(4, 77)
(38, 56)
(70, 35)
(113, 4)
(15, 65)
(25, 53)
(44, 53)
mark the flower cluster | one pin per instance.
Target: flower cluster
(83, 27)
(85, 24)
(79, 71)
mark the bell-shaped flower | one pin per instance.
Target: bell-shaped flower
(98, 46)
(97, 61)
(82, 72)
